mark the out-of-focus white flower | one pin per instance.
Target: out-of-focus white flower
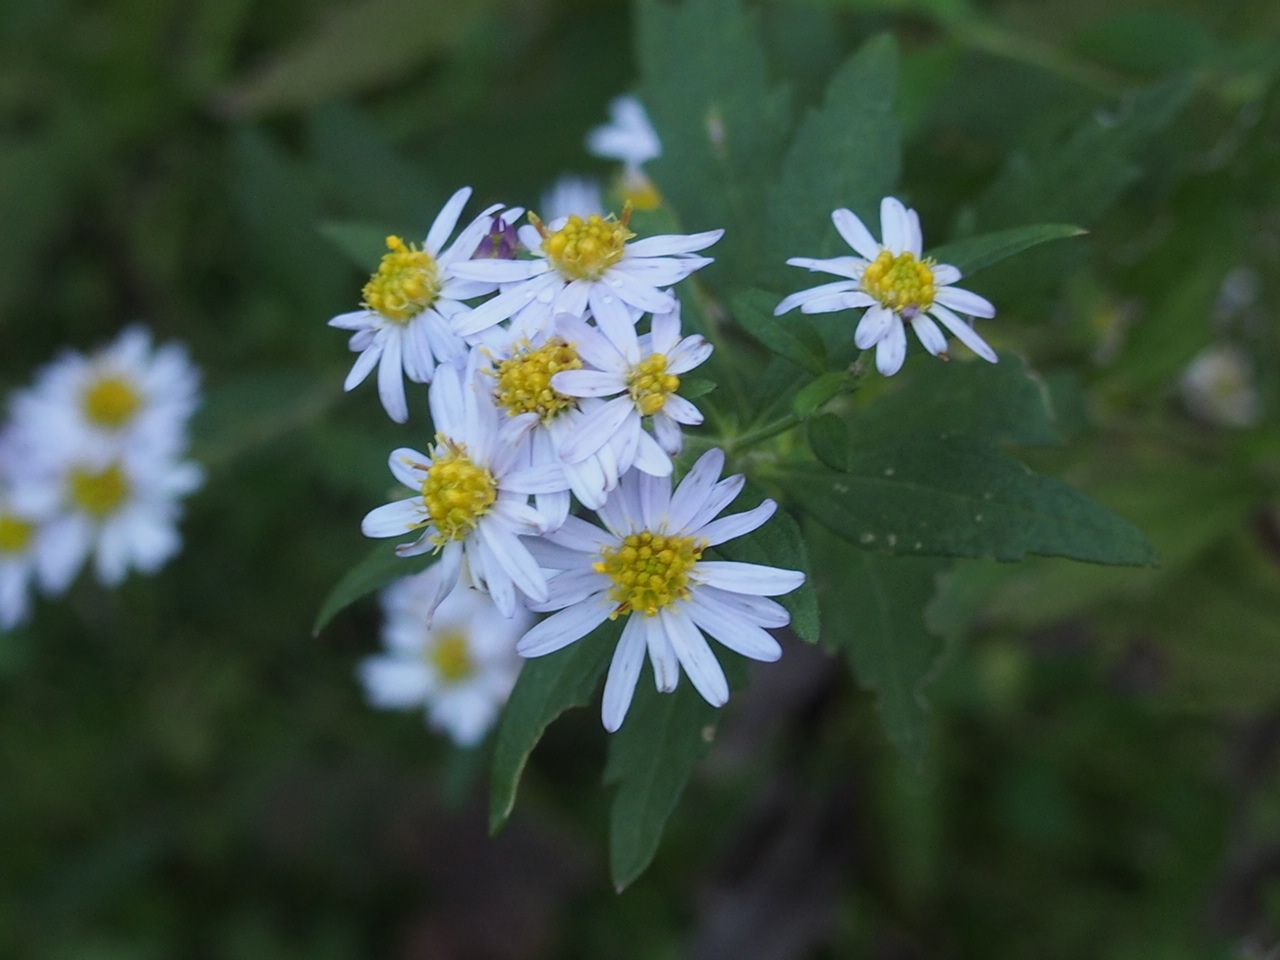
(583, 264)
(646, 565)
(126, 395)
(460, 668)
(1217, 387)
(572, 194)
(641, 374)
(410, 305)
(896, 286)
(122, 509)
(21, 543)
(628, 137)
(471, 499)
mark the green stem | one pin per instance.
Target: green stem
(744, 441)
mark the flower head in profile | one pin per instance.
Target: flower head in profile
(572, 194)
(405, 322)
(629, 138)
(583, 264)
(459, 664)
(896, 286)
(647, 565)
(471, 496)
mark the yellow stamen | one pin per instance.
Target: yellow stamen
(457, 492)
(452, 658)
(900, 282)
(111, 402)
(407, 282)
(650, 384)
(649, 571)
(585, 249)
(99, 494)
(524, 380)
(15, 534)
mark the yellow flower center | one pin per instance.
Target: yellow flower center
(111, 402)
(524, 380)
(407, 282)
(585, 249)
(457, 492)
(650, 384)
(99, 494)
(902, 283)
(452, 658)
(15, 534)
(649, 571)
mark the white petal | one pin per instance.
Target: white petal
(851, 267)
(894, 225)
(754, 578)
(682, 411)
(873, 326)
(597, 428)
(391, 379)
(891, 351)
(820, 294)
(514, 559)
(704, 670)
(409, 467)
(737, 524)
(588, 383)
(364, 363)
(964, 333)
(944, 274)
(735, 632)
(673, 243)
(688, 353)
(561, 629)
(927, 331)
(624, 671)
(855, 233)
(662, 655)
(761, 611)
(963, 301)
(446, 220)
(695, 489)
(651, 459)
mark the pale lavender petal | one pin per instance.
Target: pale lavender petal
(751, 578)
(739, 635)
(395, 519)
(963, 301)
(662, 655)
(736, 525)
(964, 333)
(446, 220)
(561, 629)
(704, 670)
(588, 383)
(624, 671)
(391, 379)
(671, 244)
(364, 363)
(873, 327)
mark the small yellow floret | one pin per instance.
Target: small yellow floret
(111, 402)
(524, 380)
(99, 494)
(650, 384)
(902, 283)
(639, 191)
(15, 534)
(457, 492)
(452, 658)
(407, 282)
(585, 249)
(649, 571)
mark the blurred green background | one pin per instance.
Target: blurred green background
(185, 772)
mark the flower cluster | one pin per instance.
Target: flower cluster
(555, 365)
(91, 465)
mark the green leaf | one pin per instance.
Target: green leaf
(779, 543)
(723, 124)
(380, 567)
(955, 496)
(650, 759)
(252, 411)
(848, 154)
(1003, 402)
(829, 440)
(791, 337)
(363, 244)
(972, 254)
(873, 607)
(547, 687)
(828, 386)
(693, 387)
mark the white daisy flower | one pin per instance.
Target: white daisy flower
(642, 375)
(647, 565)
(1218, 387)
(125, 395)
(21, 545)
(471, 500)
(410, 305)
(461, 667)
(572, 194)
(122, 509)
(629, 138)
(536, 417)
(896, 286)
(584, 265)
